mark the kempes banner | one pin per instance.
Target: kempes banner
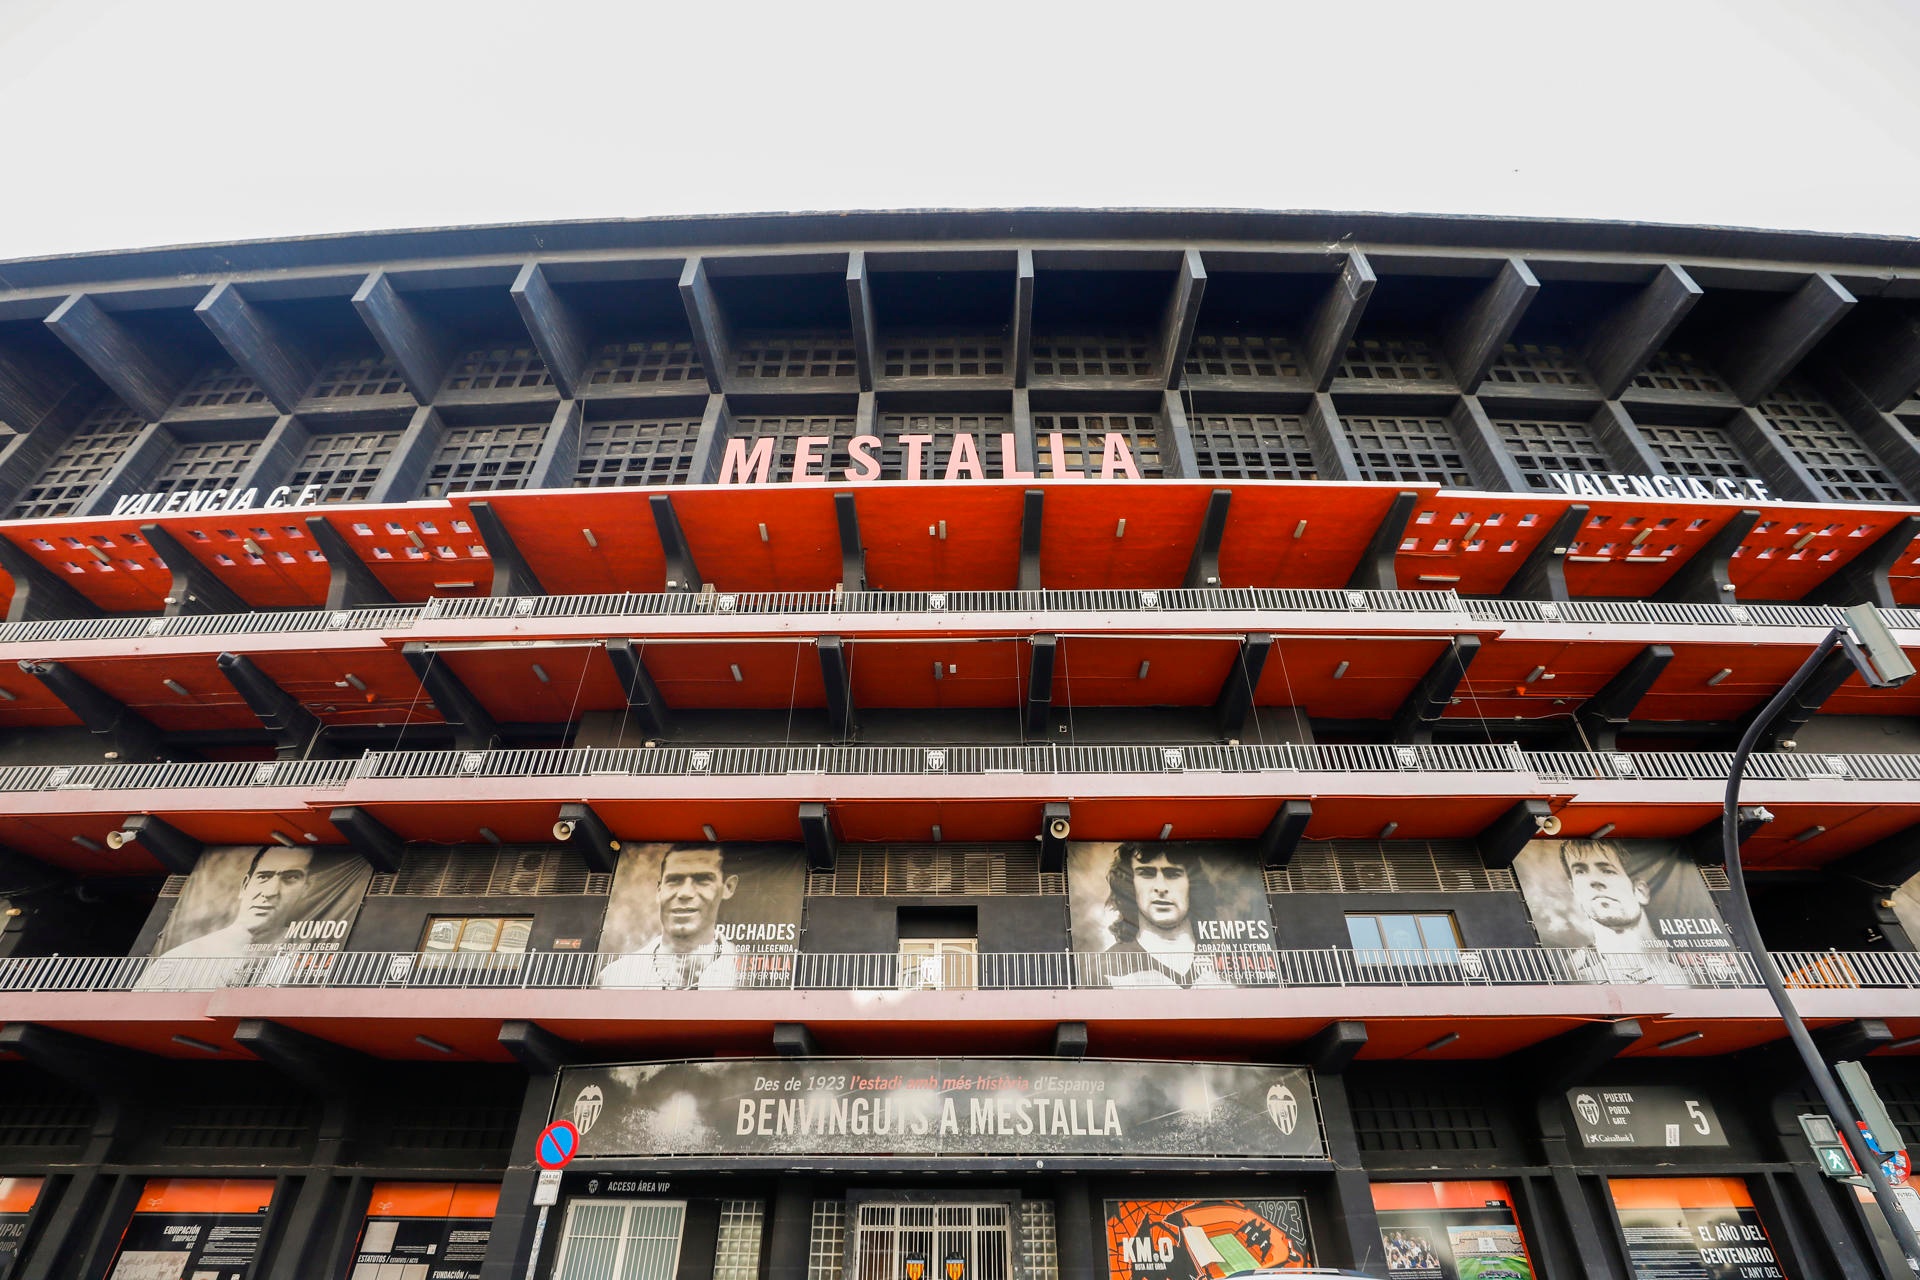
(265, 899)
(1639, 907)
(1170, 914)
(704, 915)
(940, 1106)
(1205, 1239)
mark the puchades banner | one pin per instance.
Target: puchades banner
(940, 1106)
(1639, 907)
(248, 900)
(1173, 914)
(704, 915)
(1205, 1239)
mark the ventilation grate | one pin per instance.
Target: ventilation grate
(1537, 364)
(344, 465)
(945, 358)
(1678, 371)
(219, 386)
(1840, 462)
(351, 377)
(1115, 357)
(1413, 1119)
(1408, 450)
(986, 430)
(653, 451)
(936, 870)
(1704, 451)
(1252, 447)
(1716, 878)
(483, 873)
(216, 1125)
(205, 464)
(499, 368)
(32, 1119)
(1237, 356)
(1393, 360)
(1543, 448)
(1412, 866)
(428, 1125)
(474, 459)
(1083, 441)
(825, 355)
(78, 466)
(626, 363)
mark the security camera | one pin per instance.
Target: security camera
(119, 839)
(1058, 828)
(563, 830)
(1550, 825)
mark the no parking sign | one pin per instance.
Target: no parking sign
(558, 1141)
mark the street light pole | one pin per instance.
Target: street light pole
(1881, 664)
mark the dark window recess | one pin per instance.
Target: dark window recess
(654, 451)
(1108, 357)
(429, 1125)
(345, 465)
(498, 368)
(960, 870)
(1404, 866)
(205, 464)
(472, 459)
(78, 467)
(1541, 448)
(787, 431)
(1814, 433)
(1252, 447)
(1537, 364)
(1084, 440)
(1677, 371)
(30, 1118)
(219, 386)
(354, 376)
(945, 358)
(1415, 1119)
(624, 363)
(1393, 360)
(476, 873)
(937, 922)
(1706, 452)
(1407, 450)
(225, 1124)
(818, 355)
(985, 428)
(1237, 356)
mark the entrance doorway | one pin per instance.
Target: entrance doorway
(887, 1235)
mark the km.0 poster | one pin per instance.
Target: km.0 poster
(194, 1229)
(1205, 1239)
(17, 1197)
(256, 900)
(940, 1106)
(426, 1231)
(1639, 908)
(1693, 1229)
(704, 916)
(1170, 915)
(1450, 1231)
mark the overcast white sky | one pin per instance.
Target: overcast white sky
(142, 122)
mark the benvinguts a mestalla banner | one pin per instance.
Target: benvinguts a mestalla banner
(940, 1106)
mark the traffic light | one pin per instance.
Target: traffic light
(1829, 1149)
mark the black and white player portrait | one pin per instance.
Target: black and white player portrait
(246, 901)
(1639, 907)
(703, 916)
(1185, 914)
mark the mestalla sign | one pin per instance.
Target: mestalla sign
(940, 1107)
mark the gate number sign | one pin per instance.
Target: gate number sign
(557, 1144)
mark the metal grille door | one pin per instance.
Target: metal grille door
(887, 1235)
(621, 1240)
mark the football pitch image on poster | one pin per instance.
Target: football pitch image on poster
(1205, 1239)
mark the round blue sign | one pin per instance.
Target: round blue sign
(558, 1141)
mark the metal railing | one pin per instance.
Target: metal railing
(1001, 971)
(1654, 613)
(1505, 759)
(135, 627)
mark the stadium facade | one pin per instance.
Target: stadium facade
(1122, 745)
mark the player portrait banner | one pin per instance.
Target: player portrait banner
(1173, 914)
(704, 916)
(249, 900)
(940, 1106)
(1204, 1239)
(1641, 907)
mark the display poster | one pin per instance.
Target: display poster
(246, 901)
(1644, 1116)
(704, 916)
(941, 1106)
(1638, 910)
(1906, 907)
(17, 1198)
(1172, 914)
(1693, 1229)
(1205, 1239)
(193, 1229)
(1450, 1231)
(425, 1231)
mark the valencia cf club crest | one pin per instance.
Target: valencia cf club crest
(586, 1107)
(956, 1267)
(1588, 1108)
(1283, 1108)
(916, 1268)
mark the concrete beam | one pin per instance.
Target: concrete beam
(558, 330)
(1543, 574)
(318, 1066)
(707, 321)
(512, 575)
(171, 847)
(1621, 344)
(1706, 846)
(589, 833)
(1040, 687)
(417, 346)
(1376, 571)
(816, 830)
(866, 339)
(1235, 700)
(1020, 332)
(1570, 1058)
(1430, 698)
(1203, 568)
(369, 837)
(473, 726)
(147, 380)
(1707, 576)
(1473, 338)
(38, 594)
(794, 1040)
(1602, 716)
(1887, 863)
(1503, 838)
(644, 698)
(537, 1049)
(127, 735)
(1869, 575)
(101, 1069)
(1754, 354)
(350, 583)
(683, 575)
(195, 588)
(1334, 1046)
(259, 346)
(853, 557)
(837, 675)
(1032, 515)
(1056, 823)
(1281, 838)
(297, 732)
(1182, 317)
(1337, 319)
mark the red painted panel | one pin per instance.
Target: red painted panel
(972, 674)
(550, 530)
(1380, 674)
(1771, 565)
(418, 550)
(107, 561)
(1082, 548)
(900, 529)
(1472, 543)
(1497, 686)
(579, 679)
(1264, 545)
(1102, 671)
(208, 703)
(801, 550)
(778, 673)
(319, 680)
